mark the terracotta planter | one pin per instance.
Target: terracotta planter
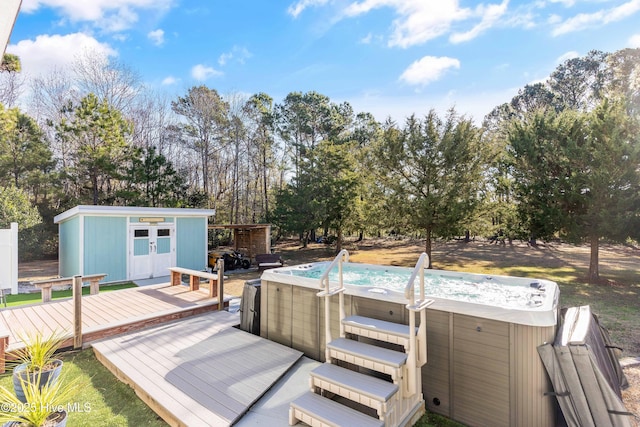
(50, 375)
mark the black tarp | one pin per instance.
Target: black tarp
(250, 307)
(585, 373)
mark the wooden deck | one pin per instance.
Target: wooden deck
(198, 371)
(106, 314)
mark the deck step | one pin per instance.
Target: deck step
(318, 411)
(368, 356)
(361, 388)
(377, 329)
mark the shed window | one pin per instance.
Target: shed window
(141, 233)
(164, 232)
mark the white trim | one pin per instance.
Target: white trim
(8, 14)
(81, 244)
(131, 211)
(129, 247)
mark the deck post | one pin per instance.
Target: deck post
(4, 343)
(220, 284)
(77, 312)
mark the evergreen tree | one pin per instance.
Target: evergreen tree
(433, 173)
(98, 133)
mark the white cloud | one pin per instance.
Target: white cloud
(48, 52)
(634, 41)
(156, 37)
(297, 8)
(418, 21)
(473, 104)
(583, 21)
(489, 16)
(202, 72)
(428, 69)
(569, 55)
(169, 80)
(109, 15)
(566, 3)
(554, 19)
(240, 54)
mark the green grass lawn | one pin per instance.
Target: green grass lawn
(100, 399)
(35, 297)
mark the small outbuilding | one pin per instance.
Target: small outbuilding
(250, 239)
(130, 243)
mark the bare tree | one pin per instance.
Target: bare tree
(108, 79)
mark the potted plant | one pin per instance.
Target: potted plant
(35, 362)
(44, 405)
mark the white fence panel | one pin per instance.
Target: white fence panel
(9, 258)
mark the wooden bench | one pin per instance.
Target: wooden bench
(47, 285)
(216, 287)
(266, 261)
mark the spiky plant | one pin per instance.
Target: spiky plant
(42, 402)
(38, 351)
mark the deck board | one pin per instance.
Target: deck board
(105, 313)
(197, 371)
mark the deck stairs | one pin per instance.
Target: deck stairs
(372, 374)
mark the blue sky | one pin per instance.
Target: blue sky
(388, 57)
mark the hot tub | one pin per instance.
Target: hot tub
(482, 333)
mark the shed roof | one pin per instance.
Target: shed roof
(131, 210)
(8, 14)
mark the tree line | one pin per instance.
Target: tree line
(560, 160)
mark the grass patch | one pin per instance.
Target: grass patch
(101, 400)
(36, 297)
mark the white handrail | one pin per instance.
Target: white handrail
(417, 347)
(342, 257)
(410, 290)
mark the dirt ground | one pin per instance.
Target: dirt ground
(620, 265)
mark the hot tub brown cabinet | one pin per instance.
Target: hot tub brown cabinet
(480, 372)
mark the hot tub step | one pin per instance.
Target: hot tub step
(377, 329)
(368, 356)
(361, 388)
(318, 411)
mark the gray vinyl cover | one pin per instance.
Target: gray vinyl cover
(585, 373)
(250, 307)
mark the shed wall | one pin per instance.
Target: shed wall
(105, 246)
(69, 247)
(191, 243)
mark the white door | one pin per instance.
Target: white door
(152, 250)
(164, 250)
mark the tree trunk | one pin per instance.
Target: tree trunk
(264, 184)
(94, 184)
(594, 273)
(427, 247)
(339, 241)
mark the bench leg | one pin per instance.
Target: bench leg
(213, 288)
(46, 294)
(194, 283)
(94, 287)
(176, 278)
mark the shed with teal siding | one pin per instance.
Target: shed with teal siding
(129, 243)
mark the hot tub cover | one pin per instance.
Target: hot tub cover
(585, 372)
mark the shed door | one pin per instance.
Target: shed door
(152, 250)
